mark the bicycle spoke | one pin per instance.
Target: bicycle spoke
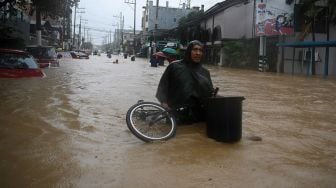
(150, 122)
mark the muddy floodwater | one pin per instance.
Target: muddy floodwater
(68, 130)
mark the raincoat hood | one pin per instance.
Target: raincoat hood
(187, 58)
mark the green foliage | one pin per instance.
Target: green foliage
(12, 5)
(233, 51)
(51, 8)
(186, 22)
(241, 53)
(312, 11)
(190, 17)
(332, 11)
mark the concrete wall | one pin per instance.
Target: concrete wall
(235, 22)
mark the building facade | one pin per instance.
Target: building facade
(236, 20)
(55, 31)
(157, 19)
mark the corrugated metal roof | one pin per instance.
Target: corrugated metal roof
(222, 6)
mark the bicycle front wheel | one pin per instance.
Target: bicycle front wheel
(150, 122)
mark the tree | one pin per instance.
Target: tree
(8, 34)
(311, 13)
(12, 5)
(186, 22)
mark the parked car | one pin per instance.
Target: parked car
(79, 55)
(45, 55)
(160, 45)
(63, 55)
(18, 64)
(174, 45)
(95, 52)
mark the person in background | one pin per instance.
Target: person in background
(186, 83)
(171, 58)
(153, 61)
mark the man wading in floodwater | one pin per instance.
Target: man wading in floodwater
(186, 83)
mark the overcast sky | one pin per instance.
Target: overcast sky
(102, 14)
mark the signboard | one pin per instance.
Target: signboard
(274, 17)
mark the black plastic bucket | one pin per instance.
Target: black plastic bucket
(224, 118)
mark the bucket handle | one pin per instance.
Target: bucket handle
(215, 91)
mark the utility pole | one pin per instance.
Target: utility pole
(133, 2)
(188, 4)
(156, 23)
(119, 31)
(65, 9)
(110, 35)
(122, 34)
(74, 32)
(79, 38)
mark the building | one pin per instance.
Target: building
(227, 20)
(55, 31)
(128, 38)
(262, 25)
(157, 19)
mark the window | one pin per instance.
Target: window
(16, 61)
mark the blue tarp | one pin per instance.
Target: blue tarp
(308, 44)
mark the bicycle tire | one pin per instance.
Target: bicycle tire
(143, 125)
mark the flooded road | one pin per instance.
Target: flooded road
(69, 130)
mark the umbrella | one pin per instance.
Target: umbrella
(169, 51)
(160, 54)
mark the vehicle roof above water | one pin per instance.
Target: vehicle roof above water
(13, 51)
(41, 51)
(38, 46)
(16, 59)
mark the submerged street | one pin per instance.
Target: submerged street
(68, 130)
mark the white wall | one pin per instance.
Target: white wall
(235, 22)
(168, 18)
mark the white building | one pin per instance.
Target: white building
(157, 19)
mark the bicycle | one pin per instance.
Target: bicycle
(150, 121)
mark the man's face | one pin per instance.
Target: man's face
(196, 53)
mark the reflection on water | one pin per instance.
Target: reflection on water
(69, 130)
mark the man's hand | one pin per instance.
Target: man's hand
(165, 105)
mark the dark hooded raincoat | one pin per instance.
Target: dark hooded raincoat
(185, 83)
